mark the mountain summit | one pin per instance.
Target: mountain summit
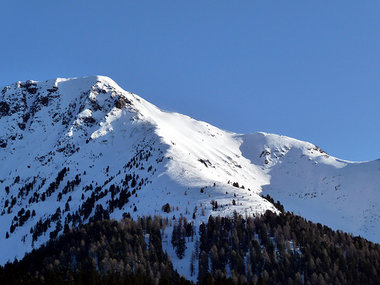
(81, 149)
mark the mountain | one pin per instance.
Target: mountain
(81, 149)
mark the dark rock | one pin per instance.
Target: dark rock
(21, 126)
(44, 100)
(4, 109)
(3, 143)
(53, 89)
(89, 120)
(31, 87)
(25, 117)
(32, 90)
(121, 102)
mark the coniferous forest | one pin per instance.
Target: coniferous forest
(268, 249)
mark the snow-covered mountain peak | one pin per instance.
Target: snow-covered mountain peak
(78, 149)
(70, 105)
(269, 149)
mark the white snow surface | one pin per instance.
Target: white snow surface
(93, 127)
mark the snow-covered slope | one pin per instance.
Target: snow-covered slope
(73, 150)
(341, 194)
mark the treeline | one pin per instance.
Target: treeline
(284, 249)
(101, 252)
(268, 249)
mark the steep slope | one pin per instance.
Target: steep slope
(75, 150)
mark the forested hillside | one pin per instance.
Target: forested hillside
(269, 249)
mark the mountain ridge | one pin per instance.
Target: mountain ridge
(102, 149)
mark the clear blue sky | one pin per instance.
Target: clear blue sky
(305, 69)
